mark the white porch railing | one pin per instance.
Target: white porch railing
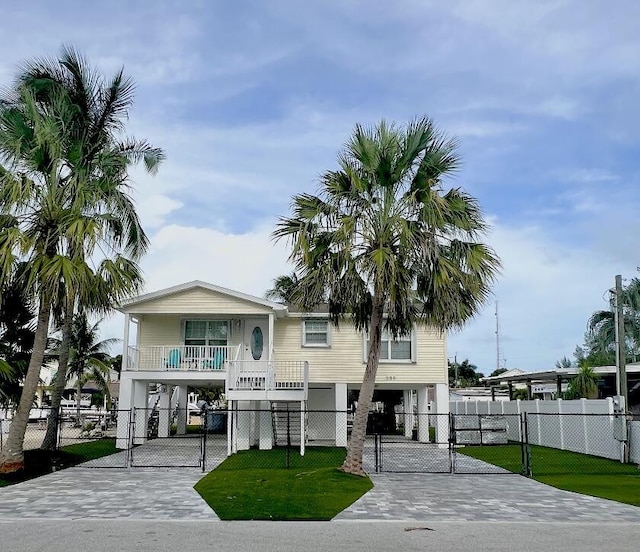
(268, 375)
(181, 357)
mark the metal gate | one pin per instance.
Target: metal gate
(451, 443)
(149, 450)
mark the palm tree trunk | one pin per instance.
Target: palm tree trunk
(353, 462)
(78, 391)
(51, 438)
(12, 456)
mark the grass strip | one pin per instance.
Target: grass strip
(256, 485)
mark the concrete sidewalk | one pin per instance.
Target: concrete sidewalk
(239, 536)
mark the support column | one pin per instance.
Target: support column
(125, 403)
(442, 408)
(141, 404)
(265, 427)
(183, 400)
(125, 343)
(303, 408)
(243, 425)
(230, 427)
(164, 412)
(423, 414)
(407, 401)
(341, 414)
(271, 324)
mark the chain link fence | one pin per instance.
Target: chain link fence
(538, 444)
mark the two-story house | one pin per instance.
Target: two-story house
(264, 355)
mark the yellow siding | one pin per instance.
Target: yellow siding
(198, 301)
(159, 330)
(343, 361)
(166, 330)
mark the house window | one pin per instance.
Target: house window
(315, 333)
(401, 349)
(206, 332)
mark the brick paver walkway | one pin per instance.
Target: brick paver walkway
(444, 497)
(167, 493)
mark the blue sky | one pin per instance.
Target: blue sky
(252, 101)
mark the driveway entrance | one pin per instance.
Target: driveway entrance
(440, 497)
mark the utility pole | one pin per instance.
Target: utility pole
(621, 373)
(455, 367)
(497, 339)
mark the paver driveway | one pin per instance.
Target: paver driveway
(167, 494)
(445, 497)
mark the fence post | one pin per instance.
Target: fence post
(527, 469)
(560, 424)
(132, 423)
(203, 443)
(288, 438)
(59, 428)
(452, 443)
(378, 452)
(585, 425)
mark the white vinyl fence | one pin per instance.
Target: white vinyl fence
(634, 440)
(584, 426)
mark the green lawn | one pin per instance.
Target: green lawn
(39, 462)
(255, 484)
(570, 471)
(82, 452)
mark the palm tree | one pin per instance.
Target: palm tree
(65, 180)
(283, 288)
(111, 282)
(388, 246)
(563, 363)
(89, 358)
(16, 338)
(601, 335)
(585, 384)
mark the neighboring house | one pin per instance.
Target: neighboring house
(265, 356)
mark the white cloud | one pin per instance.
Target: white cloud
(245, 262)
(590, 175)
(154, 209)
(546, 294)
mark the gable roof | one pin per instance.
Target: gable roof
(195, 284)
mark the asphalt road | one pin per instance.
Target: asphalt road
(159, 536)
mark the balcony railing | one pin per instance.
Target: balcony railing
(181, 357)
(267, 375)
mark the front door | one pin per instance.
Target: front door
(256, 339)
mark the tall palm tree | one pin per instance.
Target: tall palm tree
(111, 282)
(65, 178)
(388, 246)
(32, 190)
